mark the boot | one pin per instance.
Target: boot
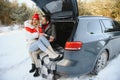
(51, 54)
(58, 56)
(33, 68)
(37, 72)
(51, 49)
(55, 59)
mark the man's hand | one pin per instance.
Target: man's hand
(51, 39)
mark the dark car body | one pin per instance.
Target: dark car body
(86, 39)
(96, 36)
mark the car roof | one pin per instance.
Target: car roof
(93, 17)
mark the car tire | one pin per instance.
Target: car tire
(101, 62)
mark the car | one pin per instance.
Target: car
(89, 42)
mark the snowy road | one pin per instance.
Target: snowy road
(15, 61)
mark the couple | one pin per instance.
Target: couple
(39, 38)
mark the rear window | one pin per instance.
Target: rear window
(59, 5)
(93, 26)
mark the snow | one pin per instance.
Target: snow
(15, 61)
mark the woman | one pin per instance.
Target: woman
(33, 29)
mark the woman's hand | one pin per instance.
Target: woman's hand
(41, 34)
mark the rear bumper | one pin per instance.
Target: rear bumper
(65, 68)
(68, 68)
(76, 64)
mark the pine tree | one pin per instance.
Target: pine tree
(4, 12)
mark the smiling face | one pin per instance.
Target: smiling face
(35, 22)
(44, 21)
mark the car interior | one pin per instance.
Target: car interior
(61, 14)
(63, 33)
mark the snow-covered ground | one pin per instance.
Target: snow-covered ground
(15, 61)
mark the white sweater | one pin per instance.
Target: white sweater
(31, 32)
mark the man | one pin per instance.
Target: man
(49, 28)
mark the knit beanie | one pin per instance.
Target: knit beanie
(36, 16)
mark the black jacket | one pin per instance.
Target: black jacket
(50, 31)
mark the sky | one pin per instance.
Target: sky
(15, 61)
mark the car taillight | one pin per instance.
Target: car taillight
(73, 45)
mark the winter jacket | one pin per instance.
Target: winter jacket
(50, 31)
(32, 33)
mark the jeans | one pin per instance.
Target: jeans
(41, 44)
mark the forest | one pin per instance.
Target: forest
(13, 13)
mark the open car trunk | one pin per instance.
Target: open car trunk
(63, 13)
(63, 32)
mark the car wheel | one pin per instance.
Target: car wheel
(101, 62)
